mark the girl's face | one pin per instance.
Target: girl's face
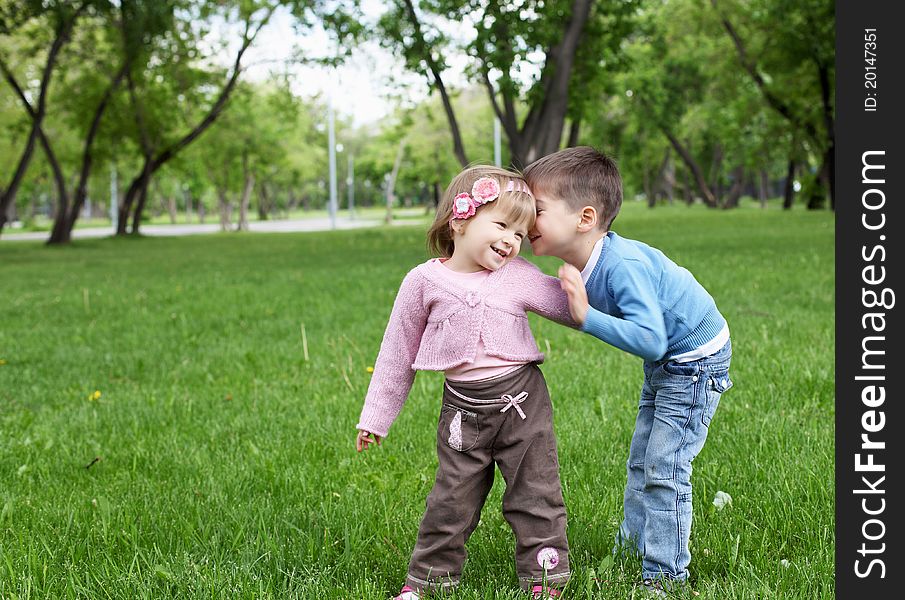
(487, 240)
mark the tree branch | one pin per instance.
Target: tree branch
(749, 65)
(458, 147)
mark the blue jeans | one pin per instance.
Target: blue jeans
(678, 401)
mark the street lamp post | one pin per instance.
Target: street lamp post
(350, 185)
(331, 140)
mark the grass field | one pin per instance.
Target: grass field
(177, 418)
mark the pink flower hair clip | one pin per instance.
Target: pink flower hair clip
(484, 190)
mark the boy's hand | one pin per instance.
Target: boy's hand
(573, 286)
(364, 439)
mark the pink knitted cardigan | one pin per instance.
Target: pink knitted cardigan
(435, 325)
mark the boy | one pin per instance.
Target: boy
(632, 296)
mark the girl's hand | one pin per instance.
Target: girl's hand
(573, 286)
(364, 439)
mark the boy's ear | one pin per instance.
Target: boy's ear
(588, 219)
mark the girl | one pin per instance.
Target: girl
(464, 314)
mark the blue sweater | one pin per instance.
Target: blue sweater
(644, 303)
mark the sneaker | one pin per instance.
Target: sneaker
(539, 592)
(407, 593)
(653, 588)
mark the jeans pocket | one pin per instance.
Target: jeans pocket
(718, 383)
(689, 369)
(459, 427)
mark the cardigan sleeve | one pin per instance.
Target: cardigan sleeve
(393, 374)
(545, 296)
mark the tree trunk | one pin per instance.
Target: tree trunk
(138, 189)
(139, 195)
(789, 189)
(263, 203)
(829, 156)
(687, 190)
(58, 232)
(9, 214)
(669, 177)
(707, 195)
(664, 182)
(293, 202)
(225, 209)
(716, 171)
(61, 37)
(763, 189)
(171, 208)
(391, 183)
(246, 196)
(541, 132)
(81, 190)
(9, 194)
(738, 185)
(187, 198)
(574, 131)
(816, 198)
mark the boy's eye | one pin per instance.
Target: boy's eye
(540, 210)
(501, 225)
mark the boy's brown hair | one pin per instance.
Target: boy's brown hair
(579, 176)
(517, 205)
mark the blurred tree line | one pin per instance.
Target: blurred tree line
(699, 100)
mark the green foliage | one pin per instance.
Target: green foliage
(675, 57)
(231, 372)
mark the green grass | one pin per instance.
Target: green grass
(226, 466)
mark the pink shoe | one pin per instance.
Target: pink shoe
(540, 591)
(407, 593)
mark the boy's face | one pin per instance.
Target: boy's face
(555, 230)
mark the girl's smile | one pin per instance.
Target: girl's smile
(487, 240)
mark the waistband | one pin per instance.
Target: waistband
(486, 389)
(510, 389)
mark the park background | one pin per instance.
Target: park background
(178, 414)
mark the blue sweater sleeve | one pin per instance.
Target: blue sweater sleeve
(642, 330)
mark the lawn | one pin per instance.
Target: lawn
(177, 418)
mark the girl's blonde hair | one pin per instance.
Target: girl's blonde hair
(517, 206)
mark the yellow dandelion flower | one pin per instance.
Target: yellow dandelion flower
(370, 369)
(95, 396)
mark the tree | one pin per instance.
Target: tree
(810, 109)
(62, 16)
(509, 39)
(156, 149)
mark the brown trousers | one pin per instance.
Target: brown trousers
(508, 422)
